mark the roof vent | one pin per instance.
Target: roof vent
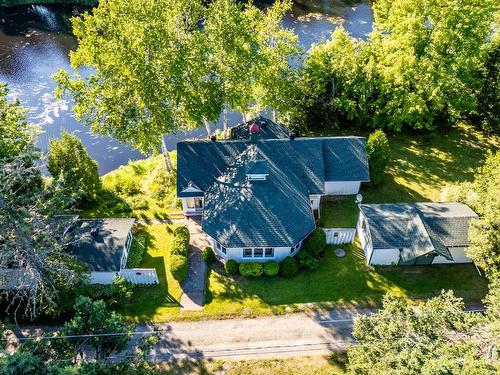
(94, 231)
(213, 138)
(292, 136)
(263, 125)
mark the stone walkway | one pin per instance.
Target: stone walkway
(193, 287)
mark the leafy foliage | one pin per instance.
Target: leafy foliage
(436, 337)
(178, 267)
(251, 269)
(137, 250)
(115, 295)
(191, 70)
(271, 268)
(315, 243)
(180, 241)
(379, 153)
(69, 163)
(307, 260)
(231, 267)
(289, 267)
(209, 255)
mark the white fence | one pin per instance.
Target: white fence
(338, 236)
(140, 275)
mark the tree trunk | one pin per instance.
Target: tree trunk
(224, 120)
(274, 112)
(207, 126)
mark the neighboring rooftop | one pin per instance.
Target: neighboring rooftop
(102, 249)
(419, 228)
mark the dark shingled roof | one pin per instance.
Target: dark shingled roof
(419, 228)
(275, 212)
(268, 129)
(103, 252)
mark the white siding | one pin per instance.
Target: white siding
(364, 237)
(191, 211)
(342, 187)
(140, 276)
(385, 256)
(338, 236)
(458, 254)
(102, 277)
(315, 201)
(280, 253)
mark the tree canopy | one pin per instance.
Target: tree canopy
(160, 66)
(69, 163)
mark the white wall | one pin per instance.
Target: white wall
(102, 277)
(315, 201)
(342, 187)
(280, 253)
(364, 237)
(458, 254)
(385, 256)
(338, 236)
(191, 211)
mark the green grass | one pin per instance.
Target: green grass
(132, 190)
(338, 213)
(338, 282)
(422, 165)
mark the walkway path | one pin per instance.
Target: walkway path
(193, 287)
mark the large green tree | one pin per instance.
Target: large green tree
(69, 163)
(435, 337)
(166, 65)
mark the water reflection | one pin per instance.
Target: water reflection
(35, 42)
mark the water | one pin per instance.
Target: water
(35, 42)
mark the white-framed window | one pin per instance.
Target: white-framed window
(218, 245)
(269, 252)
(247, 253)
(292, 249)
(258, 252)
(223, 249)
(194, 203)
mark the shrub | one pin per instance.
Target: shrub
(180, 241)
(209, 255)
(307, 260)
(162, 182)
(179, 267)
(231, 267)
(252, 269)
(136, 251)
(289, 267)
(315, 243)
(138, 202)
(378, 150)
(271, 268)
(117, 294)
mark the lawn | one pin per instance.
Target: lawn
(338, 213)
(142, 189)
(344, 281)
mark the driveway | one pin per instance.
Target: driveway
(193, 287)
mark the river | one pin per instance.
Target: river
(35, 41)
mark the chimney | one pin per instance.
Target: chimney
(254, 131)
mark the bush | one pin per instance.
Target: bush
(315, 243)
(289, 267)
(231, 267)
(136, 251)
(271, 268)
(117, 294)
(180, 241)
(209, 255)
(179, 267)
(251, 269)
(162, 182)
(307, 260)
(379, 153)
(138, 202)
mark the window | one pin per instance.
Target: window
(335, 234)
(258, 252)
(194, 203)
(269, 252)
(223, 249)
(247, 253)
(292, 249)
(218, 246)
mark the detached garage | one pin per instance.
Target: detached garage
(415, 234)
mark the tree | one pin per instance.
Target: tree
(21, 363)
(16, 134)
(436, 337)
(68, 162)
(168, 65)
(379, 151)
(482, 196)
(92, 317)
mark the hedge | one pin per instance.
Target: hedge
(251, 269)
(271, 268)
(136, 251)
(307, 260)
(289, 267)
(179, 267)
(209, 255)
(180, 241)
(231, 267)
(315, 243)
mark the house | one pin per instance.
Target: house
(258, 195)
(103, 245)
(418, 233)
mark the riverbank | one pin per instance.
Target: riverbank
(12, 3)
